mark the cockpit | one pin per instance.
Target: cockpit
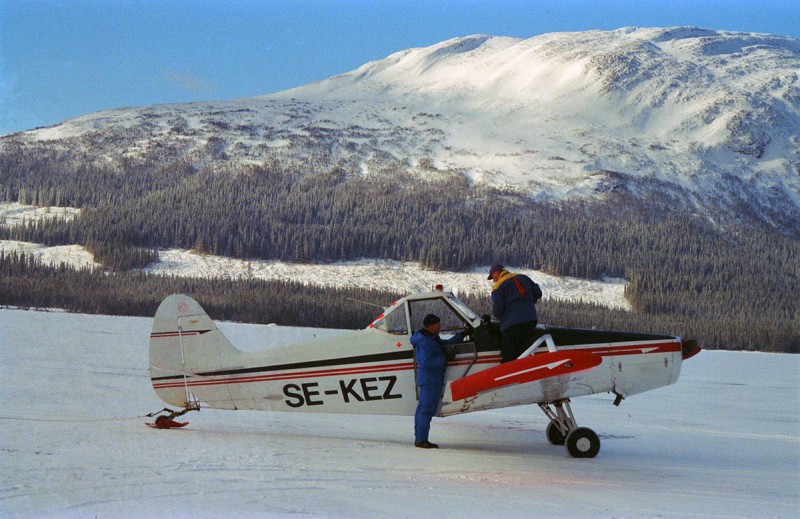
(405, 315)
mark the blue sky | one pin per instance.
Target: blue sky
(61, 59)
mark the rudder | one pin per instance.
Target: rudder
(184, 342)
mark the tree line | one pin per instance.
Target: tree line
(732, 287)
(28, 283)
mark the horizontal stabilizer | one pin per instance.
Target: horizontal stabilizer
(525, 370)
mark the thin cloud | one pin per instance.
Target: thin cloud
(189, 82)
(12, 118)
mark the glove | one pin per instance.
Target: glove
(468, 330)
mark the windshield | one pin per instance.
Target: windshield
(393, 320)
(453, 313)
(419, 308)
(464, 309)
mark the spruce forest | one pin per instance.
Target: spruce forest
(729, 284)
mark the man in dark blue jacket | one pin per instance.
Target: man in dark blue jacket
(429, 352)
(514, 298)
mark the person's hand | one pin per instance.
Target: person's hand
(468, 330)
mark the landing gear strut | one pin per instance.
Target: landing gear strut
(580, 442)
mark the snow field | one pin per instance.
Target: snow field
(722, 442)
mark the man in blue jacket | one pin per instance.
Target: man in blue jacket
(429, 352)
(514, 298)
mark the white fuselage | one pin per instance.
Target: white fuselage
(369, 371)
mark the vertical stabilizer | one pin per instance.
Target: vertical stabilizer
(184, 342)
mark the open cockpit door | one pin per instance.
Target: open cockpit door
(452, 320)
(405, 317)
(455, 317)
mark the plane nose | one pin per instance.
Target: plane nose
(689, 348)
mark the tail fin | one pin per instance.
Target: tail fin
(184, 342)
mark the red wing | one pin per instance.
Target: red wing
(523, 371)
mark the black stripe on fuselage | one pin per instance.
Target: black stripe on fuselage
(339, 361)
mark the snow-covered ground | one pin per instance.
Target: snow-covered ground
(13, 213)
(73, 255)
(403, 277)
(724, 442)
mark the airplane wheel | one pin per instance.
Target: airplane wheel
(554, 435)
(583, 443)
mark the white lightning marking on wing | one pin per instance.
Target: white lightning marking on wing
(551, 366)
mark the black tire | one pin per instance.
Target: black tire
(583, 443)
(554, 435)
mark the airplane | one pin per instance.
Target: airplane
(372, 371)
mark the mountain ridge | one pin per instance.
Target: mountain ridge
(704, 119)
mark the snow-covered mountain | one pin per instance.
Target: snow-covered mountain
(709, 118)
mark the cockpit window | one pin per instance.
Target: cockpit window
(452, 312)
(463, 308)
(451, 321)
(393, 320)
